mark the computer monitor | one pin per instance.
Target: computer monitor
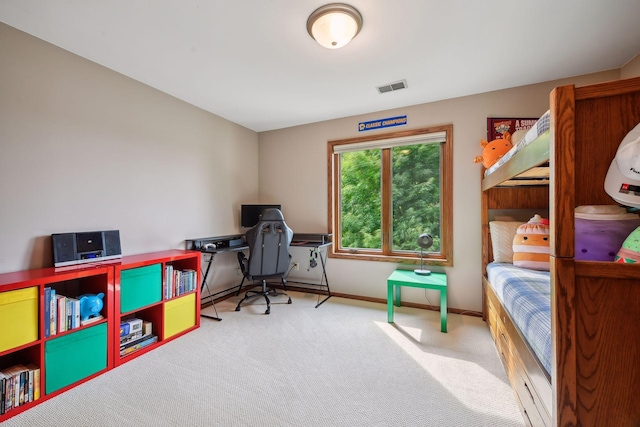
(250, 214)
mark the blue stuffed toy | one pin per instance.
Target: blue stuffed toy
(90, 305)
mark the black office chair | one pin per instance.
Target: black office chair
(268, 242)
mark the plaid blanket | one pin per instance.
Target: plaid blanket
(526, 295)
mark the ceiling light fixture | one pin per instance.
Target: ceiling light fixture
(334, 25)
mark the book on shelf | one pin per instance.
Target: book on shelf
(168, 281)
(3, 380)
(61, 313)
(178, 282)
(16, 387)
(47, 311)
(91, 320)
(73, 313)
(52, 312)
(34, 394)
(136, 336)
(140, 343)
(130, 338)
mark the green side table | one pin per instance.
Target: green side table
(437, 281)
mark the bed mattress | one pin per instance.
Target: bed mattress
(526, 296)
(540, 127)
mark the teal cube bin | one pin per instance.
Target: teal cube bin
(75, 356)
(140, 287)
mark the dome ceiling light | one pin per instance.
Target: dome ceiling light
(334, 25)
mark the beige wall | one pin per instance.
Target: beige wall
(84, 148)
(293, 171)
(631, 68)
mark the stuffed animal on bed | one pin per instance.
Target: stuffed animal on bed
(531, 245)
(494, 150)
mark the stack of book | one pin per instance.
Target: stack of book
(178, 282)
(135, 334)
(19, 385)
(61, 313)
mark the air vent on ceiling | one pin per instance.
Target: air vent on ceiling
(402, 84)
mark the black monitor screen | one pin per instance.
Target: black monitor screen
(250, 214)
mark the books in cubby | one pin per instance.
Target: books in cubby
(19, 384)
(138, 344)
(61, 313)
(135, 334)
(177, 282)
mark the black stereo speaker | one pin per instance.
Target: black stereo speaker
(64, 247)
(112, 242)
(84, 247)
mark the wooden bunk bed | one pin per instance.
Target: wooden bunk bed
(595, 306)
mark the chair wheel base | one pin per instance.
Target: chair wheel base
(289, 302)
(268, 311)
(237, 308)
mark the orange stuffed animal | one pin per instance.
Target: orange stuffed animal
(494, 150)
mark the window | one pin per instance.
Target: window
(386, 190)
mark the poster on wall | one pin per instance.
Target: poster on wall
(382, 123)
(498, 126)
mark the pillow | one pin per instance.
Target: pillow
(531, 245)
(502, 233)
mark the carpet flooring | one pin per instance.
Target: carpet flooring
(340, 364)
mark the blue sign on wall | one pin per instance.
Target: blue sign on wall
(382, 123)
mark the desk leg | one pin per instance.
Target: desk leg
(398, 295)
(202, 286)
(443, 310)
(324, 277)
(390, 302)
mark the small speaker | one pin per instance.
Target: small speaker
(112, 243)
(64, 248)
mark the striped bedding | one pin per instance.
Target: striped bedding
(540, 127)
(526, 296)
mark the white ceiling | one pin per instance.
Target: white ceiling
(252, 61)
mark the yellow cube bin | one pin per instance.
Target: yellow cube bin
(18, 317)
(179, 315)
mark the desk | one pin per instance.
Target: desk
(236, 242)
(213, 246)
(316, 246)
(437, 281)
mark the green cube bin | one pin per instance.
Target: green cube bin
(140, 287)
(75, 356)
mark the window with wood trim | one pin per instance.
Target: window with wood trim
(387, 189)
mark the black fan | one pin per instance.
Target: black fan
(425, 241)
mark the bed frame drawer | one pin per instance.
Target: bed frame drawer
(528, 396)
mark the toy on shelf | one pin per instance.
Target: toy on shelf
(494, 150)
(90, 305)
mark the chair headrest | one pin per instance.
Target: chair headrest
(272, 214)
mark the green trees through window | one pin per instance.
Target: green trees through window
(415, 189)
(388, 192)
(361, 199)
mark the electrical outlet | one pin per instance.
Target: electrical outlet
(296, 266)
